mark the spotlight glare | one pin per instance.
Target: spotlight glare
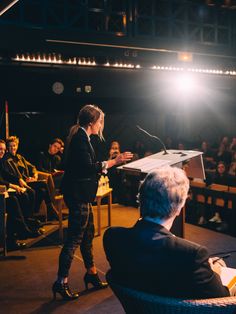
(185, 84)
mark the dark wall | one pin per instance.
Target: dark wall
(128, 97)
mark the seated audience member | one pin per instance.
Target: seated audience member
(208, 159)
(232, 170)
(223, 154)
(149, 257)
(233, 157)
(17, 227)
(139, 149)
(223, 178)
(232, 146)
(114, 177)
(225, 141)
(181, 146)
(114, 149)
(27, 175)
(25, 198)
(221, 175)
(50, 161)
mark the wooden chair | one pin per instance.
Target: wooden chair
(139, 302)
(224, 197)
(56, 199)
(218, 201)
(198, 201)
(198, 190)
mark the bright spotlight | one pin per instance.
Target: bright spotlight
(185, 83)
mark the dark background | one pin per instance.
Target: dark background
(126, 32)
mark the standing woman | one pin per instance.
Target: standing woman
(79, 187)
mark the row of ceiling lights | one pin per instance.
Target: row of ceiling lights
(57, 59)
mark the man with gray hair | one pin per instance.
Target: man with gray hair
(149, 257)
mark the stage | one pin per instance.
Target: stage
(26, 284)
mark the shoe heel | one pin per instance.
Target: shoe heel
(63, 290)
(95, 281)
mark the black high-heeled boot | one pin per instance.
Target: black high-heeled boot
(64, 290)
(95, 281)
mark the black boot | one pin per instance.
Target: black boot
(95, 281)
(64, 290)
(13, 245)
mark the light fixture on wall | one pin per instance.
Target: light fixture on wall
(88, 89)
(6, 5)
(78, 89)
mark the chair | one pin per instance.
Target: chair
(139, 302)
(198, 190)
(57, 200)
(218, 201)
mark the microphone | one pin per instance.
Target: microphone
(154, 136)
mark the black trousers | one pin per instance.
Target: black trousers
(41, 193)
(27, 202)
(15, 220)
(80, 233)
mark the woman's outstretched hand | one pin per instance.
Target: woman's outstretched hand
(123, 157)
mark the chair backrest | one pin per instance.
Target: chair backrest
(232, 189)
(196, 183)
(198, 190)
(139, 302)
(219, 187)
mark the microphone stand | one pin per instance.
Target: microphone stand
(154, 136)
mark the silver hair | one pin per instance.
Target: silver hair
(163, 192)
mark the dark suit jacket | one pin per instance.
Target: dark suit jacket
(150, 258)
(19, 167)
(81, 175)
(47, 162)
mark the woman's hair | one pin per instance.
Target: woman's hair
(115, 143)
(163, 192)
(114, 149)
(88, 114)
(12, 139)
(57, 140)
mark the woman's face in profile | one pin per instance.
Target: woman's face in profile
(96, 126)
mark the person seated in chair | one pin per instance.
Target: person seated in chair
(17, 226)
(50, 161)
(148, 257)
(27, 175)
(221, 177)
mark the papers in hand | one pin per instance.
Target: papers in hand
(228, 278)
